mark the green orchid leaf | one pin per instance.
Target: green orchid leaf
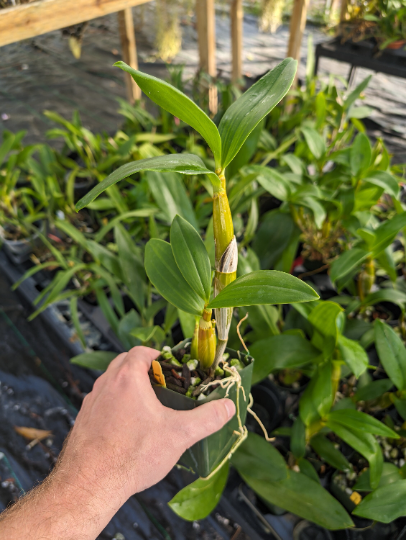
(360, 112)
(365, 444)
(256, 456)
(387, 232)
(391, 352)
(181, 163)
(166, 277)
(298, 439)
(187, 323)
(360, 154)
(178, 104)
(245, 114)
(308, 469)
(385, 295)
(385, 180)
(387, 262)
(271, 180)
(385, 504)
(200, 498)
(292, 491)
(264, 287)
(355, 94)
(146, 333)
(314, 141)
(318, 397)
(400, 405)
(317, 209)
(246, 152)
(272, 238)
(141, 213)
(390, 474)
(169, 193)
(127, 323)
(94, 360)
(329, 453)
(361, 422)
(373, 390)
(281, 352)
(191, 257)
(132, 267)
(353, 355)
(322, 394)
(324, 318)
(347, 262)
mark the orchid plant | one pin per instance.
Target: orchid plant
(180, 271)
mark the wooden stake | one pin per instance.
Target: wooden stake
(206, 33)
(236, 16)
(297, 26)
(129, 51)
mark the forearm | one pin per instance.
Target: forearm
(58, 509)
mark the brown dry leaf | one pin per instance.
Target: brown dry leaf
(33, 434)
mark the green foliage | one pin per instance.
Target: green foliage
(199, 499)
(263, 469)
(94, 360)
(243, 116)
(264, 287)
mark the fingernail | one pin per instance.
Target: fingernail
(230, 408)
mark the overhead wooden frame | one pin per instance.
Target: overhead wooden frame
(37, 18)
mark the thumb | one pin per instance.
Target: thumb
(205, 420)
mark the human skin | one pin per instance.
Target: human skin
(123, 441)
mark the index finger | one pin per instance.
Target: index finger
(142, 357)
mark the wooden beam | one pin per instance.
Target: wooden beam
(36, 18)
(129, 51)
(236, 16)
(297, 26)
(206, 33)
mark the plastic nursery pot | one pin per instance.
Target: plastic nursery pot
(365, 529)
(19, 251)
(268, 405)
(204, 456)
(396, 44)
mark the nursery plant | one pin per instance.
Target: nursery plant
(314, 338)
(181, 272)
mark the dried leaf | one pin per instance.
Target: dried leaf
(33, 434)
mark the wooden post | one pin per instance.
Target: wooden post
(236, 16)
(206, 33)
(129, 51)
(343, 10)
(297, 26)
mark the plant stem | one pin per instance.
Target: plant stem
(226, 255)
(207, 340)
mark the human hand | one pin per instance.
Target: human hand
(124, 440)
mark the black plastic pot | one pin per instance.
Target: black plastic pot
(81, 186)
(268, 405)
(365, 529)
(18, 251)
(204, 456)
